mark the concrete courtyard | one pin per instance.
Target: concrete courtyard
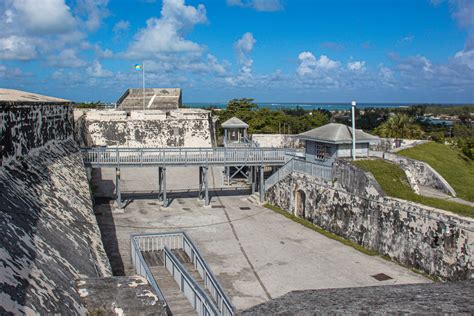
(255, 253)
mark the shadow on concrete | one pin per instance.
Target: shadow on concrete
(177, 194)
(103, 207)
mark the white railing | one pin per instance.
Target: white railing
(302, 166)
(180, 240)
(201, 303)
(141, 268)
(114, 157)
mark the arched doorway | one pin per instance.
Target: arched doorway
(300, 202)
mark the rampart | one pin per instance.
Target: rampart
(152, 128)
(277, 140)
(431, 240)
(48, 228)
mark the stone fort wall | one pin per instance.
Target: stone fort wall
(431, 240)
(28, 125)
(48, 229)
(152, 128)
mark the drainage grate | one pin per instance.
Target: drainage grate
(186, 209)
(381, 277)
(218, 206)
(245, 208)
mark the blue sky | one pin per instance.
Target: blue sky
(215, 50)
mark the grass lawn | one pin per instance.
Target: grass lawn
(393, 181)
(451, 163)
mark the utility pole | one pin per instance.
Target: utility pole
(353, 103)
(143, 71)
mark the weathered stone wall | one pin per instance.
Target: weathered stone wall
(443, 298)
(436, 242)
(28, 125)
(277, 140)
(48, 231)
(418, 173)
(154, 128)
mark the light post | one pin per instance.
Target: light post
(353, 103)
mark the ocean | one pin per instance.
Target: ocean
(306, 106)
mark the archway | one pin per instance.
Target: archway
(300, 199)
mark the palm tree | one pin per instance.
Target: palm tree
(400, 126)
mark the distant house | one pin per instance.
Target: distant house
(155, 99)
(335, 141)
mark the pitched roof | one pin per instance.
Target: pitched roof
(234, 122)
(336, 133)
(155, 99)
(23, 96)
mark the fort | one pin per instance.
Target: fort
(132, 211)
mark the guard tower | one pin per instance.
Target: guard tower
(235, 132)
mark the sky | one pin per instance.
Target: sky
(215, 50)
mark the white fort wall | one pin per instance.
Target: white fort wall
(431, 240)
(152, 128)
(48, 229)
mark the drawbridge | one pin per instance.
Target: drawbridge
(255, 158)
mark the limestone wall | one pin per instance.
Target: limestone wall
(28, 125)
(154, 128)
(418, 173)
(436, 242)
(277, 140)
(48, 230)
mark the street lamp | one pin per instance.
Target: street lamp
(353, 103)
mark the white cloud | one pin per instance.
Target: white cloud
(17, 47)
(121, 27)
(42, 17)
(465, 57)
(356, 65)
(93, 11)
(243, 47)
(96, 71)
(166, 34)
(66, 59)
(258, 5)
(309, 64)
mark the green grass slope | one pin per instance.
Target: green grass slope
(450, 163)
(393, 181)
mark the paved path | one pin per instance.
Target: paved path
(430, 192)
(255, 253)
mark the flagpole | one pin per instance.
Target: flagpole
(143, 69)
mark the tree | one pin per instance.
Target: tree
(400, 126)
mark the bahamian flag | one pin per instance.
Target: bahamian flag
(138, 67)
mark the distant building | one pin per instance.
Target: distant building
(155, 99)
(235, 131)
(335, 141)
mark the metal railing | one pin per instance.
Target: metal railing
(182, 156)
(180, 240)
(201, 303)
(141, 268)
(302, 166)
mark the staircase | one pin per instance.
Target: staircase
(255, 198)
(177, 302)
(186, 261)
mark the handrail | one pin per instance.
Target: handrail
(211, 277)
(137, 255)
(302, 166)
(180, 240)
(183, 156)
(208, 304)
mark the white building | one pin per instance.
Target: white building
(335, 141)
